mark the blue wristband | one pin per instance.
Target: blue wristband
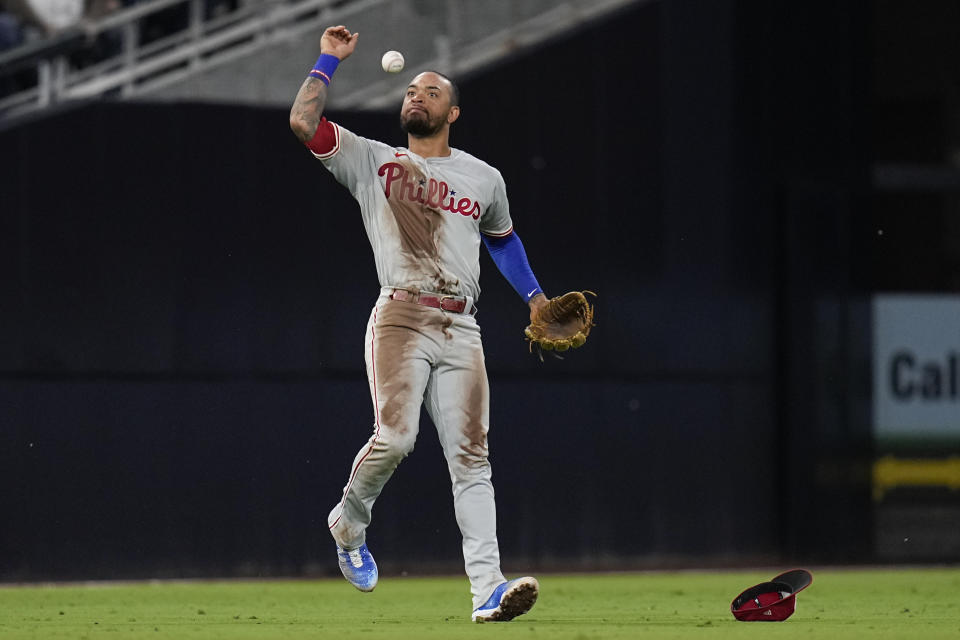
(326, 65)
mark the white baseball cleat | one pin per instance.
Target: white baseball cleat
(508, 600)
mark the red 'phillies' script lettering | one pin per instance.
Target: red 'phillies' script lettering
(433, 193)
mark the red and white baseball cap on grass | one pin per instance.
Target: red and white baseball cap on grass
(771, 601)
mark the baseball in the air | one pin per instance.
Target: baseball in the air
(392, 62)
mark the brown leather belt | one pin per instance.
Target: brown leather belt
(454, 304)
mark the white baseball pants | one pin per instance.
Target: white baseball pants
(417, 354)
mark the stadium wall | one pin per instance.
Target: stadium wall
(186, 289)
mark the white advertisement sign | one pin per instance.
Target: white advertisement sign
(916, 366)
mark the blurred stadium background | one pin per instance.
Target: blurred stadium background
(763, 194)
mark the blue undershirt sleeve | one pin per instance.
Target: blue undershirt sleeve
(509, 256)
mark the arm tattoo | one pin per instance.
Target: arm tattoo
(308, 106)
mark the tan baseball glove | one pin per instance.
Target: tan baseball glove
(564, 322)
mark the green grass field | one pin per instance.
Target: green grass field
(840, 604)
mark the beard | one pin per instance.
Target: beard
(419, 125)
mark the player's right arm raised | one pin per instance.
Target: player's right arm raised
(312, 97)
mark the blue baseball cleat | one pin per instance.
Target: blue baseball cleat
(509, 600)
(358, 567)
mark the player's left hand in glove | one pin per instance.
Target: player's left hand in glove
(561, 322)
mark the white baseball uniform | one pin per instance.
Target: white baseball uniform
(424, 217)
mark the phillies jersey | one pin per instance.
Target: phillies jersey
(423, 216)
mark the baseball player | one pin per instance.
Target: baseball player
(425, 208)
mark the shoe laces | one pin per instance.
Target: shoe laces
(355, 558)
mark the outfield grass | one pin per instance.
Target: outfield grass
(840, 604)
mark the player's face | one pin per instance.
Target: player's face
(426, 106)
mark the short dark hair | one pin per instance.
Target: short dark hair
(454, 89)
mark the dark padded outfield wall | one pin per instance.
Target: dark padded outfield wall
(185, 290)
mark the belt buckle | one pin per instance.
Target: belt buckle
(445, 297)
